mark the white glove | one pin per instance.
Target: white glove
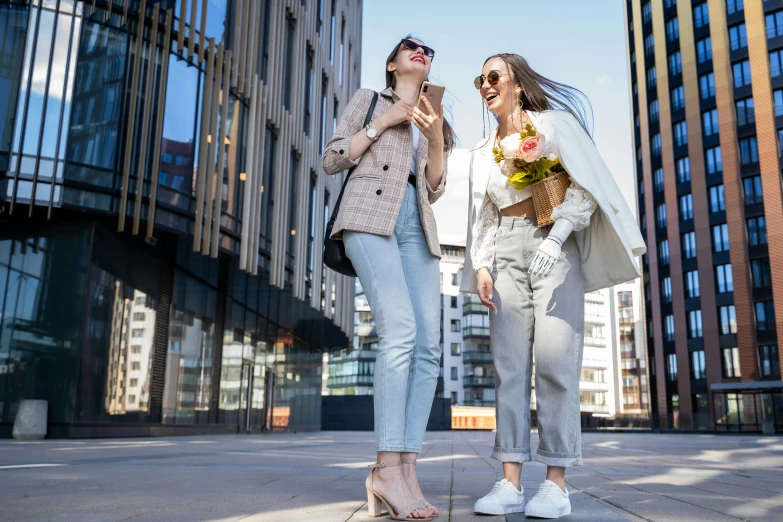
(549, 251)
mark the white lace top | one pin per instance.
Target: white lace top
(577, 207)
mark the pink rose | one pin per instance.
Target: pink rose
(531, 149)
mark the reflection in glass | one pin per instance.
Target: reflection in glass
(13, 26)
(188, 382)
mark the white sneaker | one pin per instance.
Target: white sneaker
(549, 502)
(504, 498)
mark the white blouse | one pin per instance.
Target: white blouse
(577, 207)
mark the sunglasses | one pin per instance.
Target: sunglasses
(493, 78)
(413, 46)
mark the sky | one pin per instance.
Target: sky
(577, 42)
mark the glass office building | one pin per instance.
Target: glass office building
(161, 209)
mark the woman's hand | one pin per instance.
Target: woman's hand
(430, 123)
(484, 288)
(400, 112)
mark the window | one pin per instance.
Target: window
(454, 301)
(311, 225)
(293, 196)
(320, 16)
(342, 51)
(780, 142)
(455, 325)
(714, 160)
(694, 324)
(641, 189)
(456, 348)
(678, 98)
(686, 207)
(324, 90)
(701, 15)
(717, 199)
(671, 367)
(692, 288)
(741, 72)
(670, 3)
(649, 45)
(683, 170)
(672, 29)
(309, 86)
(658, 180)
(668, 328)
(140, 301)
(774, 24)
(707, 86)
(663, 252)
(745, 112)
(333, 30)
(138, 332)
(666, 289)
(738, 37)
(765, 316)
(757, 231)
(775, 62)
(265, 19)
(288, 63)
(269, 175)
(675, 63)
(681, 133)
(131, 399)
(728, 320)
(760, 273)
(710, 125)
(660, 215)
(689, 245)
(652, 77)
(138, 316)
(777, 96)
(653, 110)
(749, 150)
(704, 49)
(698, 366)
(136, 349)
(769, 361)
(136, 365)
(720, 238)
(335, 114)
(731, 366)
(752, 189)
(724, 278)
(734, 6)
(656, 145)
(454, 375)
(647, 13)
(133, 383)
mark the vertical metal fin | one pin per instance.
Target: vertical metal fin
(203, 145)
(216, 212)
(248, 194)
(210, 167)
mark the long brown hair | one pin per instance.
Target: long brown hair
(449, 138)
(541, 94)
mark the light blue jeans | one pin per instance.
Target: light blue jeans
(401, 279)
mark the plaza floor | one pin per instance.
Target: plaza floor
(320, 477)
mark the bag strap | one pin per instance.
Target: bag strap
(367, 120)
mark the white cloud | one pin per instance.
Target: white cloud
(604, 79)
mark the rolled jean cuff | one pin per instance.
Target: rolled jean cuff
(398, 449)
(511, 454)
(562, 460)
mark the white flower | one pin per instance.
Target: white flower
(510, 145)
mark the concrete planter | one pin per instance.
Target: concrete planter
(768, 427)
(30, 422)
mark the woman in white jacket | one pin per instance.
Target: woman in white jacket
(533, 279)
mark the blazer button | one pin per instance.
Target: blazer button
(379, 192)
(385, 167)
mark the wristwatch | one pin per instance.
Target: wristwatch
(372, 132)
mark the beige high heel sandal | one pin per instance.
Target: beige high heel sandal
(404, 460)
(375, 501)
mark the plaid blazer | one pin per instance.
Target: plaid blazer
(375, 190)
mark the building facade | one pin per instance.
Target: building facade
(161, 209)
(707, 96)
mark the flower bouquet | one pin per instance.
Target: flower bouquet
(525, 162)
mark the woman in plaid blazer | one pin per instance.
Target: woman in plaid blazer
(387, 225)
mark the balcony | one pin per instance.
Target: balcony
(349, 380)
(484, 404)
(473, 307)
(476, 357)
(594, 408)
(595, 341)
(366, 355)
(472, 381)
(475, 332)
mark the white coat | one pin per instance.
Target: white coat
(609, 246)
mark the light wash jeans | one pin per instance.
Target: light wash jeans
(546, 315)
(401, 279)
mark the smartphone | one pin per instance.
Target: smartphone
(434, 94)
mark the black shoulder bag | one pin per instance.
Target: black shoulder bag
(334, 249)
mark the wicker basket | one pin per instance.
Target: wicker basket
(547, 194)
